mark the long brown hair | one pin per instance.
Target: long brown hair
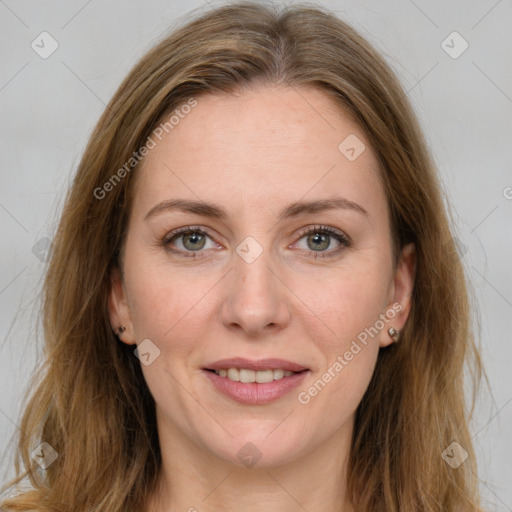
(91, 403)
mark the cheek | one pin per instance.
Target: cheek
(173, 310)
(346, 302)
(348, 315)
(342, 386)
(162, 306)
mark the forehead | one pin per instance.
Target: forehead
(262, 147)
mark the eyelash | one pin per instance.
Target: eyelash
(318, 229)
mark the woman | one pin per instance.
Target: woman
(254, 299)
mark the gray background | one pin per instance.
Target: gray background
(49, 107)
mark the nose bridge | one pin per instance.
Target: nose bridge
(252, 264)
(256, 297)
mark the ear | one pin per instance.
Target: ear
(401, 293)
(119, 311)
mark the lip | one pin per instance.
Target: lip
(255, 393)
(262, 364)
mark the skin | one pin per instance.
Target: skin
(254, 154)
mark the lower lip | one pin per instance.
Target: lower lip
(255, 393)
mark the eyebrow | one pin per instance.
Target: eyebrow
(207, 209)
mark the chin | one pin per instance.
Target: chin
(258, 452)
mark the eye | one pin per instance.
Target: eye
(320, 238)
(190, 240)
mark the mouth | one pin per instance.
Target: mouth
(255, 382)
(248, 376)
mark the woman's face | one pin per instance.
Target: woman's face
(288, 259)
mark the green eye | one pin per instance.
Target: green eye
(319, 238)
(193, 241)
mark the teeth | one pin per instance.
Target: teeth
(247, 376)
(264, 376)
(233, 374)
(278, 374)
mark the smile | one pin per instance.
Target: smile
(245, 375)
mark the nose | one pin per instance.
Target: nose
(256, 299)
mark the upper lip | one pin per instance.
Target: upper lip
(261, 364)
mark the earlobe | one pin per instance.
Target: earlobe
(119, 311)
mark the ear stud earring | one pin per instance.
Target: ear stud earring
(121, 329)
(394, 333)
